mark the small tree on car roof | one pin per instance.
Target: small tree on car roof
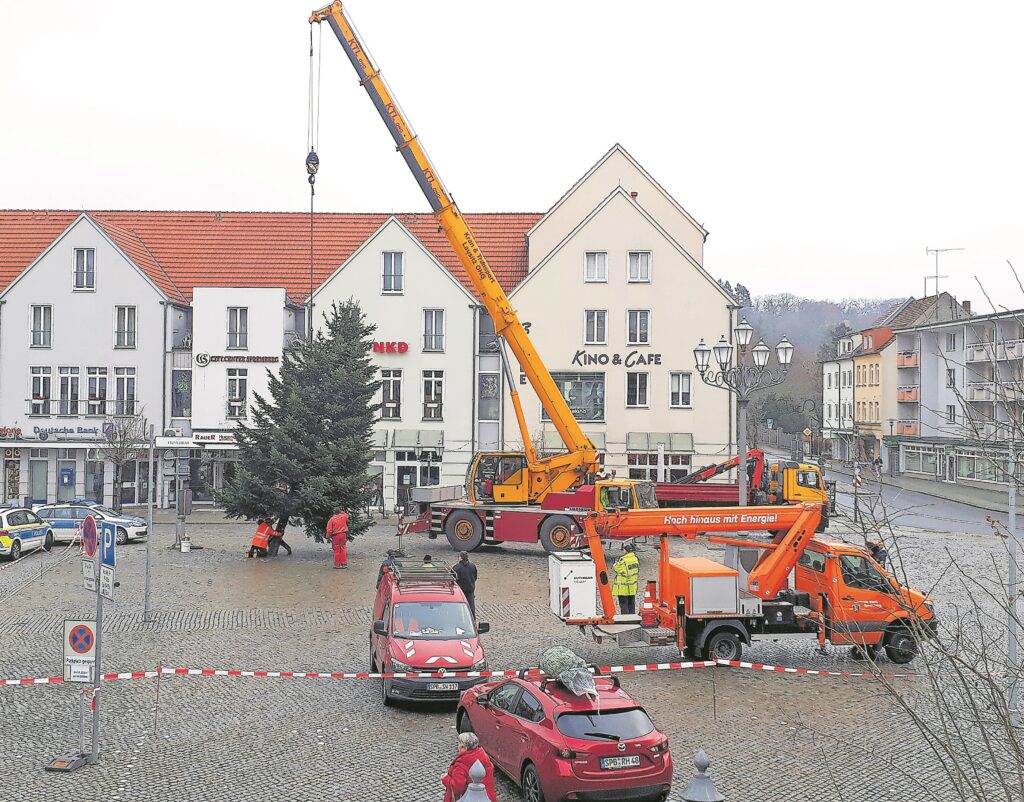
(307, 449)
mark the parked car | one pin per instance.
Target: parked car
(22, 530)
(66, 520)
(421, 622)
(556, 745)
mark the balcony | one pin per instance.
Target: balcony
(908, 359)
(981, 391)
(76, 408)
(908, 393)
(908, 428)
(990, 352)
(293, 338)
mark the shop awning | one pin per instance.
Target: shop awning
(550, 440)
(417, 438)
(374, 470)
(673, 442)
(379, 440)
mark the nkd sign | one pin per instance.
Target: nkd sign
(390, 347)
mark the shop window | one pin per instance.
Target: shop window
(583, 392)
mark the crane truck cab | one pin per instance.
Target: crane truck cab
(791, 482)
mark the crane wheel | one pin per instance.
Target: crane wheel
(901, 646)
(464, 530)
(724, 646)
(556, 533)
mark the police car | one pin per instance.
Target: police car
(22, 531)
(66, 520)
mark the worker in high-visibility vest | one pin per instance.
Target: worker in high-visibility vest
(627, 577)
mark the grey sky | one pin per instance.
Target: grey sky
(823, 145)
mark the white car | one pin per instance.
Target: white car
(66, 520)
(22, 530)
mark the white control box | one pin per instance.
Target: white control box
(572, 580)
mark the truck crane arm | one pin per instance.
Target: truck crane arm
(560, 472)
(794, 524)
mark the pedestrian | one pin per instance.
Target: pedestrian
(456, 781)
(337, 533)
(276, 541)
(627, 575)
(465, 577)
(878, 466)
(878, 552)
(260, 541)
(427, 561)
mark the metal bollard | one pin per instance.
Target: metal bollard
(702, 787)
(476, 791)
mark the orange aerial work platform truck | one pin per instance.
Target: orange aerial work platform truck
(794, 586)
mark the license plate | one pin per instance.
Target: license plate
(442, 686)
(624, 762)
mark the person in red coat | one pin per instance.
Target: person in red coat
(337, 533)
(457, 781)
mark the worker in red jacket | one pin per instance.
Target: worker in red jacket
(457, 780)
(337, 533)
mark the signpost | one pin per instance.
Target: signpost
(108, 561)
(89, 546)
(79, 650)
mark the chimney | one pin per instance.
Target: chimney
(632, 195)
(967, 306)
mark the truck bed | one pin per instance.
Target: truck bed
(697, 494)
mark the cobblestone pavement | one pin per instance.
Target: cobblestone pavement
(771, 737)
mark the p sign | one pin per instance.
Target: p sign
(107, 544)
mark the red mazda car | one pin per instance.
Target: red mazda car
(558, 746)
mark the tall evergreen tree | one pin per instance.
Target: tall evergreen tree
(308, 448)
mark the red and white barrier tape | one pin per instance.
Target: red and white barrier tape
(642, 667)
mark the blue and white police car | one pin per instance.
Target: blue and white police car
(66, 520)
(22, 531)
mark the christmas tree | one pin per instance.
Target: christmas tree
(307, 450)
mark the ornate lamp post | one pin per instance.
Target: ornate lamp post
(743, 379)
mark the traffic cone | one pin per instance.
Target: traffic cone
(648, 615)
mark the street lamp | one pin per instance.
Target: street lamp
(743, 379)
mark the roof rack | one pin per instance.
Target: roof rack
(420, 574)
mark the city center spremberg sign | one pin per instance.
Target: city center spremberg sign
(204, 359)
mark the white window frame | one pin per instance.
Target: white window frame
(951, 413)
(86, 287)
(240, 333)
(638, 312)
(950, 341)
(432, 313)
(237, 406)
(640, 279)
(435, 378)
(392, 376)
(950, 377)
(647, 389)
(45, 330)
(128, 337)
(602, 262)
(96, 377)
(401, 272)
(671, 378)
(126, 390)
(603, 313)
(69, 388)
(41, 377)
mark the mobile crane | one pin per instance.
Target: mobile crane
(515, 496)
(840, 595)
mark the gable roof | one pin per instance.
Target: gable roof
(181, 250)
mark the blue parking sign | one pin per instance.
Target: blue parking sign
(107, 544)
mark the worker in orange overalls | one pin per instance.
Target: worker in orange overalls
(261, 540)
(337, 533)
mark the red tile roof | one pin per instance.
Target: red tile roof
(183, 250)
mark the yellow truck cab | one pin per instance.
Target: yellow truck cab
(798, 483)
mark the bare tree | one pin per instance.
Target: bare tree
(123, 435)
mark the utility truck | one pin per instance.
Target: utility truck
(795, 586)
(507, 494)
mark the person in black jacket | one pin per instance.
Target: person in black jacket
(465, 576)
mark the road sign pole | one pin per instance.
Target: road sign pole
(94, 755)
(151, 484)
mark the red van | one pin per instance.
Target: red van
(421, 622)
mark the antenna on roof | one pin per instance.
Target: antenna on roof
(936, 277)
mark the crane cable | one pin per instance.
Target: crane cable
(312, 160)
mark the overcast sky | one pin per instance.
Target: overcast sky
(823, 145)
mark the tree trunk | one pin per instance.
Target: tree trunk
(282, 522)
(115, 502)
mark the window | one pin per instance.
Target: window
(124, 326)
(487, 340)
(596, 266)
(916, 460)
(97, 379)
(951, 413)
(951, 377)
(638, 325)
(432, 620)
(181, 393)
(391, 393)
(640, 266)
(393, 280)
(42, 326)
(85, 269)
(124, 387)
(41, 378)
(828, 378)
(68, 391)
(619, 725)
(595, 327)
(529, 708)
(433, 394)
(951, 341)
(679, 389)
(238, 327)
(433, 329)
(813, 560)
(504, 695)
(860, 572)
(489, 396)
(636, 389)
(643, 465)
(238, 387)
(583, 392)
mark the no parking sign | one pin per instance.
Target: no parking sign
(79, 650)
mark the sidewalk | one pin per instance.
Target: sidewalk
(991, 500)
